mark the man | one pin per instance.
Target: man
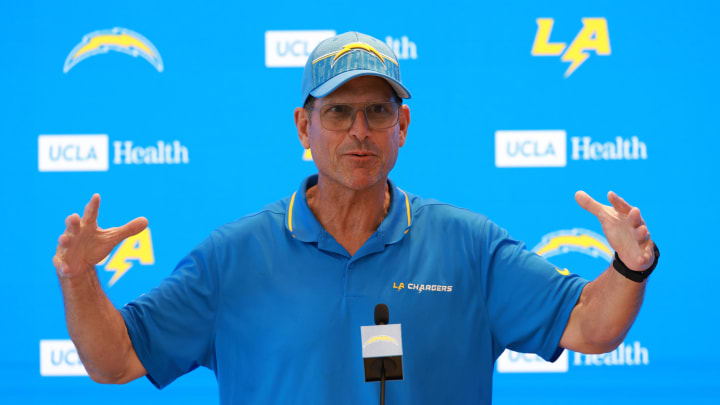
(273, 303)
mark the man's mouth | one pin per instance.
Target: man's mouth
(360, 153)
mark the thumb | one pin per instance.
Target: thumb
(133, 227)
(588, 203)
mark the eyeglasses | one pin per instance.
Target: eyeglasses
(340, 117)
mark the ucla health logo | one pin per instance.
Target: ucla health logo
(402, 47)
(116, 40)
(77, 153)
(593, 36)
(548, 148)
(58, 357)
(292, 48)
(533, 148)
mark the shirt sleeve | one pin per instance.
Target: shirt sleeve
(528, 300)
(172, 327)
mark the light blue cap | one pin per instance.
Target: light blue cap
(343, 57)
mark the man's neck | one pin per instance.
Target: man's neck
(350, 216)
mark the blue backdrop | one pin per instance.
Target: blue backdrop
(628, 89)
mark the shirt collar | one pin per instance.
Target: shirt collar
(302, 224)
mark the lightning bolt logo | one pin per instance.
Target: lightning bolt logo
(117, 39)
(137, 247)
(592, 37)
(576, 56)
(358, 45)
(355, 46)
(380, 338)
(574, 240)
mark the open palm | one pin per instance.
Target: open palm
(624, 229)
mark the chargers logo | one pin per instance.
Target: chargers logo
(354, 47)
(574, 240)
(118, 40)
(137, 247)
(593, 36)
(381, 338)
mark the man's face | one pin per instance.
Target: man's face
(359, 157)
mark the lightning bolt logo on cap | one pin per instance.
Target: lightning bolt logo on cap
(346, 49)
(117, 39)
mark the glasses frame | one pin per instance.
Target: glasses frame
(355, 108)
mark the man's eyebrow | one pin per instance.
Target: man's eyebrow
(331, 101)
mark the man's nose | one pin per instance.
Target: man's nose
(360, 128)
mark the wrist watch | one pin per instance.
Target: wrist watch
(636, 276)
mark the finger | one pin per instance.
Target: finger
(72, 222)
(641, 233)
(133, 227)
(634, 217)
(91, 210)
(618, 203)
(588, 203)
(63, 240)
(57, 262)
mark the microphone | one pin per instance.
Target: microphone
(382, 314)
(382, 350)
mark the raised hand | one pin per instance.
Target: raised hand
(84, 244)
(624, 229)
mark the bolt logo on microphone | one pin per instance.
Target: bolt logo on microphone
(118, 40)
(381, 338)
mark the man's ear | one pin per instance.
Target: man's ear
(302, 123)
(403, 124)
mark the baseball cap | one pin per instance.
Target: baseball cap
(343, 57)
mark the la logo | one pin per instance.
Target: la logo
(135, 248)
(592, 37)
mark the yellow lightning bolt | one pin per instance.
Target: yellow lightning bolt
(583, 241)
(358, 45)
(594, 35)
(137, 247)
(122, 40)
(577, 57)
(381, 338)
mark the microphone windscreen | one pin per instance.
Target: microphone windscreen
(382, 315)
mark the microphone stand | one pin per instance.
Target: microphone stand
(382, 382)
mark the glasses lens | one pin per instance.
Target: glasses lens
(337, 117)
(382, 115)
(340, 117)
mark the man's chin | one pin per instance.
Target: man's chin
(360, 182)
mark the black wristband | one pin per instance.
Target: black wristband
(636, 276)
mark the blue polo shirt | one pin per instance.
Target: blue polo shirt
(273, 305)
